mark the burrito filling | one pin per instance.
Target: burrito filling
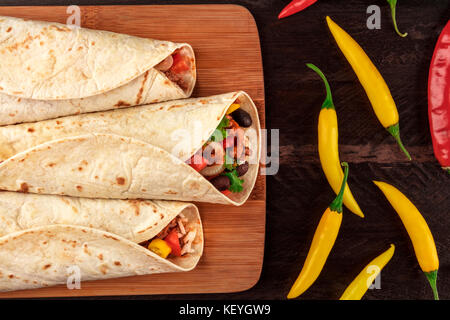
(177, 68)
(223, 159)
(175, 240)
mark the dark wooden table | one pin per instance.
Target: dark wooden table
(298, 194)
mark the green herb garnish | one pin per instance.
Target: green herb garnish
(236, 183)
(221, 132)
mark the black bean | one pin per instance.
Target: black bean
(242, 169)
(242, 118)
(221, 183)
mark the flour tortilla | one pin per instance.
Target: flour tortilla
(158, 125)
(111, 167)
(135, 220)
(162, 125)
(50, 70)
(48, 255)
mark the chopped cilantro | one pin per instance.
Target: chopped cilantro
(236, 183)
(224, 123)
(221, 132)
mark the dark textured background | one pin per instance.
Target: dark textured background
(299, 193)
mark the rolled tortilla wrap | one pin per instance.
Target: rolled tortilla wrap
(112, 167)
(178, 127)
(50, 70)
(135, 220)
(48, 255)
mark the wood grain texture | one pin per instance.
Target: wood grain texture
(293, 212)
(226, 44)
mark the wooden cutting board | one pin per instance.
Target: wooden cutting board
(226, 43)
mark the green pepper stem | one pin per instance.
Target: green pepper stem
(328, 103)
(395, 132)
(432, 278)
(393, 5)
(336, 205)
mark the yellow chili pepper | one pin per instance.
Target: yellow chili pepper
(233, 108)
(329, 149)
(160, 247)
(418, 231)
(376, 89)
(359, 286)
(321, 245)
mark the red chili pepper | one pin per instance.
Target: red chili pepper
(439, 98)
(294, 7)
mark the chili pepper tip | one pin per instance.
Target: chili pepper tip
(281, 15)
(294, 7)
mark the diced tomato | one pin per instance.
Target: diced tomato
(198, 162)
(226, 192)
(173, 242)
(180, 64)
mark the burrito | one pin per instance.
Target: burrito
(50, 70)
(42, 236)
(202, 149)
